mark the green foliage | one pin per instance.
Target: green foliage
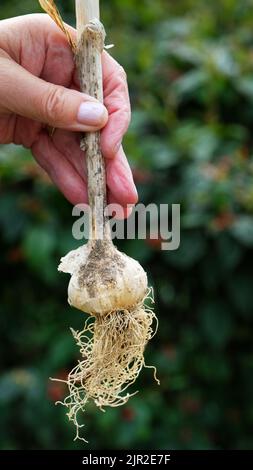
(190, 142)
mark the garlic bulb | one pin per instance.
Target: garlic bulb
(103, 279)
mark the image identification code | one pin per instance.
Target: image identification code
(130, 459)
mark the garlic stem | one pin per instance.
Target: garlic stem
(91, 36)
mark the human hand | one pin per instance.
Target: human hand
(39, 87)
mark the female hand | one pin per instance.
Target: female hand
(39, 88)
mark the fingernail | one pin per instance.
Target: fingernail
(91, 114)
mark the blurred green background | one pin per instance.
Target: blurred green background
(190, 68)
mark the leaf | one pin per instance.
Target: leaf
(245, 86)
(177, 27)
(16, 383)
(162, 155)
(196, 141)
(223, 60)
(242, 230)
(51, 9)
(181, 51)
(189, 83)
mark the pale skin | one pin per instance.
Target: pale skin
(39, 88)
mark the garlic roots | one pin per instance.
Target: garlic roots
(111, 348)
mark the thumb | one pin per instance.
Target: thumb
(26, 95)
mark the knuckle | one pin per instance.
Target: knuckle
(54, 105)
(122, 74)
(7, 135)
(126, 114)
(40, 159)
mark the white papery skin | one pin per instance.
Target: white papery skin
(128, 288)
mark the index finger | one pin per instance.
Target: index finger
(117, 102)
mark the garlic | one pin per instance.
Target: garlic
(105, 283)
(112, 289)
(103, 279)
